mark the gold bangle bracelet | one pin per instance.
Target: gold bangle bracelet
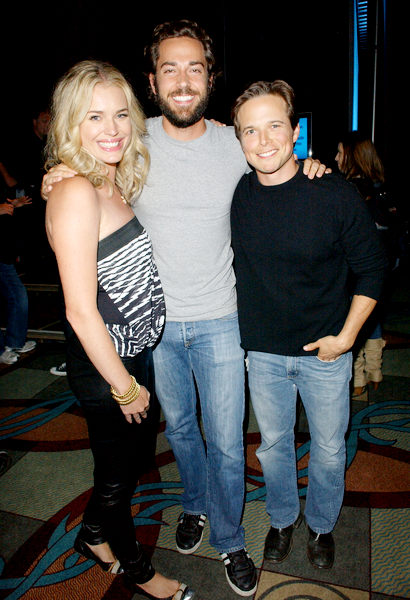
(132, 385)
(129, 400)
(130, 395)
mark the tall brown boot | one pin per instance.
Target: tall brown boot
(359, 375)
(373, 350)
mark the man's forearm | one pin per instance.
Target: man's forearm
(360, 309)
(331, 347)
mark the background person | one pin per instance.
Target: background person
(25, 162)
(359, 162)
(97, 128)
(12, 290)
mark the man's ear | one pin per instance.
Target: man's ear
(210, 83)
(296, 133)
(151, 78)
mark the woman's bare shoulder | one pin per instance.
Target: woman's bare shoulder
(73, 185)
(71, 192)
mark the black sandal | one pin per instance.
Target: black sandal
(82, 548)
(183, 593)
(140, 571)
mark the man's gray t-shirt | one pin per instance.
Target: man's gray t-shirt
(185, 207)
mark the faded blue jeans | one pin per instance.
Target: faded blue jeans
(207, 353)
(15, 295)
(274, 381)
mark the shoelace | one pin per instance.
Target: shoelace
(239, 560)
(191, 522)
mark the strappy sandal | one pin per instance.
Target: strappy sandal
(109, 567)
(140, 571)
(182, 593)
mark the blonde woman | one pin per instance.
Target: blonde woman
(114, 304)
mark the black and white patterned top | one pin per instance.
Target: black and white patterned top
(130, 297)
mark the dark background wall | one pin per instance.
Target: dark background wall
(305, 43)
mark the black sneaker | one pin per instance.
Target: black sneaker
(240, 572)
(60, 371)
(189, 532)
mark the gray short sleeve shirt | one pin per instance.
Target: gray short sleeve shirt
(185, 207)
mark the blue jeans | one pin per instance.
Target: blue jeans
(14, 292)
(324, 389)
(207, 353)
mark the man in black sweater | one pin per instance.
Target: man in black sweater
(297, 242)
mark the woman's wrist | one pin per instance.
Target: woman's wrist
(130, 395)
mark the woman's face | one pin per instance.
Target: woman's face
(106, 129)
(339, 156)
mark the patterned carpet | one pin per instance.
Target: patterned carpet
(45, 489)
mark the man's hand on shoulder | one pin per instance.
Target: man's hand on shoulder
(314, 168)
(53, 176)
(217, 123)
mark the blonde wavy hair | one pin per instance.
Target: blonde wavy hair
(70, 104)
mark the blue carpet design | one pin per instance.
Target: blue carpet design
(156, 498)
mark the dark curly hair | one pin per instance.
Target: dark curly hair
(175, 29)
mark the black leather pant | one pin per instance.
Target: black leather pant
(121, 451)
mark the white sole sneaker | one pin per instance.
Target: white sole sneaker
(28, 347)
(60, 371)
(189, 532)
(8, 357)
(240, 572)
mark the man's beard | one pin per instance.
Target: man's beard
(184, 118)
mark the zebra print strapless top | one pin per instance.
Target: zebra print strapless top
(130, 297)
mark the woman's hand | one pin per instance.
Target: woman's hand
(137, 410)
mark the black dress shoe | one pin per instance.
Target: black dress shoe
(278, 542)
(321, 549)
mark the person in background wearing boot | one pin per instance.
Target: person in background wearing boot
(358, 161)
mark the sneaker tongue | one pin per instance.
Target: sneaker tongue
(239, 558)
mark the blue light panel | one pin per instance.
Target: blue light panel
(360, 38)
